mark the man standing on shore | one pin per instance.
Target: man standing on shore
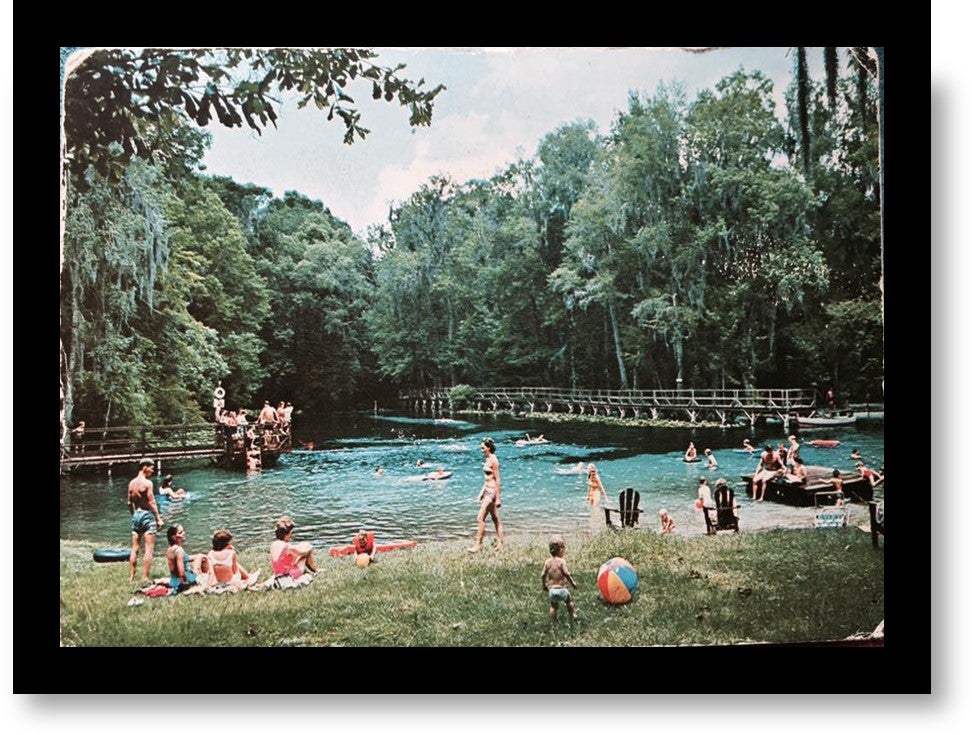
(146, 519)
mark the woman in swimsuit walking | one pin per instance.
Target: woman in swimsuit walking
(489, 497)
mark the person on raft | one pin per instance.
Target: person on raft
(770, 466)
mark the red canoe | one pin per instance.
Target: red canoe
(824, 443)
(349, 549)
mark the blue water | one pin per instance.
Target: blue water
(332, 490)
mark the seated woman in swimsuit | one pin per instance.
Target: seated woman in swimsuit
(287, 558)
(224, 566)
(185, 570)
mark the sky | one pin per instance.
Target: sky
(497, 105)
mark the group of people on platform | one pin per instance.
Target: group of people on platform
(270, 429)
(237, 422)
(777, 462)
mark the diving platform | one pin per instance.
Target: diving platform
(119, 445)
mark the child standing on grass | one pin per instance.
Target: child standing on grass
(554, 577)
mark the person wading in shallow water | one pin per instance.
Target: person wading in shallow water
(489, 497)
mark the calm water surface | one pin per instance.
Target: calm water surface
(332, 491)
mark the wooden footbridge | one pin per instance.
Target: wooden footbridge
(118, 445)
(723, 405)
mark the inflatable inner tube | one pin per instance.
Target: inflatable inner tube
(349, 549)
(106, 555)
(824, 443)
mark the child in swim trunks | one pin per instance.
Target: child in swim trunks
(838, 484)
(665, 521)
(553, 578)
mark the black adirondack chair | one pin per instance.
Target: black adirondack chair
(724, 516)
(628, 511)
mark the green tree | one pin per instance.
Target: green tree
(753, 216)
(318, 277)
(142, 99)
(224, 292)
(116, 246)
(123, 107)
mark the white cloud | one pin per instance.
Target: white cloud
(463, 148)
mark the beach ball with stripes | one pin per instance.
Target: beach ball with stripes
(617, 580)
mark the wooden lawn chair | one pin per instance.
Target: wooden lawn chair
(628, 511)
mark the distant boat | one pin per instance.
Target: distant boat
(810, 422)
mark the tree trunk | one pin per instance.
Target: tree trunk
(616, 334)
(880, 71)
(677, 349)
(803, 104)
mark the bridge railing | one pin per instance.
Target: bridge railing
(142, 439)
(756, 397)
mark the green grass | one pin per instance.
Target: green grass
(773, 586)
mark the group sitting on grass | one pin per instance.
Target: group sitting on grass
(219, 570)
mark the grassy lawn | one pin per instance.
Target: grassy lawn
(772, 586)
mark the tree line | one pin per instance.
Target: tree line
(697, 243)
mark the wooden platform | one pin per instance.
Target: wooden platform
(117, 445)
(802, 495)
